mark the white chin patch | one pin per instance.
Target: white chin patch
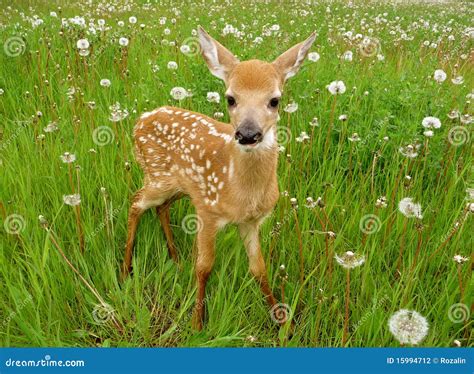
(268, 139)
(267, 142)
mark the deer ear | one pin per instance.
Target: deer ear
(289, 62)
(218, 58)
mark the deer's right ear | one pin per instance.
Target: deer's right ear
(218, 58)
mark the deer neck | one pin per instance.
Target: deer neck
(253, 170)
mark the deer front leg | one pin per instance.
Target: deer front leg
(136, 211)
(250, 235)
(204, 263)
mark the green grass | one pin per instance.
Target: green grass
(44, 303)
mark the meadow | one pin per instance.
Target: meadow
(375, 174)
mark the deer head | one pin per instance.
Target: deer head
(253, 88)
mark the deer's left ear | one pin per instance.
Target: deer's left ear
(289, 62)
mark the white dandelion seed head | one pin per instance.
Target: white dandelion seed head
(314, 56)
(178, 93)
(336, 88)
(347, 56)
(439, 76)
(172, 65)
(460, 259)
(213, 97)
(409, 208)
(185, 49)
(51, 127)
(72, 200)
(68, 158)
(453, 114)
(408, 326)
(123, 41)
(82, 44)
(431, 123)
(303, 137)
(349, 260)
(84, 52)
(354, 137)
(105, 82)
(314, 122)
(291, 107)
(381, 202)
(410, 151)
(458, 80)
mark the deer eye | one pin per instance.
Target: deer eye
(274, 102)
(230, 101)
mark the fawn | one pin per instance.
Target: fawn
(227, 170)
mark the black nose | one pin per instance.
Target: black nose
(248, 133)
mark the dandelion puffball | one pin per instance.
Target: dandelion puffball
(172, 65)
(350, 260)
(178, 93)
(82, 44)
(72, 200)
(313, 56)
(409, 208)
(105, 82)
(336, 88)
(213, 97)
(431, 122)
(68, 158)
(408, 326)
(439, 76)
(123, 42)
(291, 107)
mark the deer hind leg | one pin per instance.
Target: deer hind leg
(250, 235)
(142, 200)
(163, 212)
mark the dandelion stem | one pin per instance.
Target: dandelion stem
(300, 242)
(282, 288)
(80, 231)
(417, 252)
(392, 199)
(71, 183)
(402, 247)
(346, 314)
(461, 288)
(331, 121)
